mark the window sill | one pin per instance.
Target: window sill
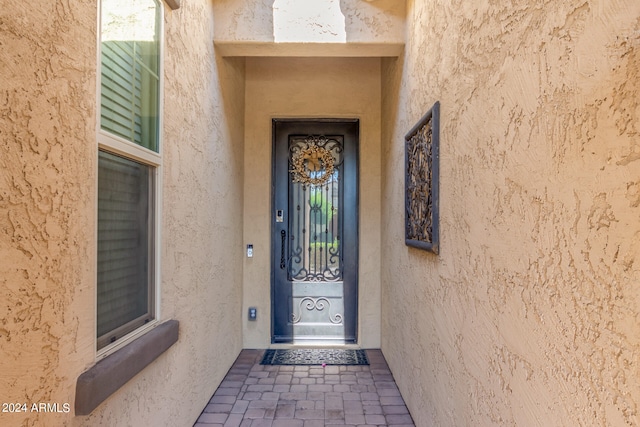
(95, 385)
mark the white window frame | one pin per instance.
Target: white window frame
(114, 144)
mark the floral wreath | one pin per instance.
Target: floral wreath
(312, 159)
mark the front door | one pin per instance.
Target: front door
(315, 231)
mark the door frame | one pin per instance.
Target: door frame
(352, 266)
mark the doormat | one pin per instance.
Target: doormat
(315, 356)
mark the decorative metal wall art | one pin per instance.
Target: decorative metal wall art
(421, 182)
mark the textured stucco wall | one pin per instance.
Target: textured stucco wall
(310, 87)
(47, 180)
(318, 21)
(529, 316)
(47, 215)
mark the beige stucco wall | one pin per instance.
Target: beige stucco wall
(48, 215)
(309, 87)
(47, 182)
(529, 315)
(332, 21)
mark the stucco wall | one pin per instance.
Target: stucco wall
(310, 87)
(47, 180)
(48, 215)
(358, 21)
(529, 315)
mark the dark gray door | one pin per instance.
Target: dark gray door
(315, 231)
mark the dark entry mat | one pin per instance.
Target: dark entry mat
(315, 356)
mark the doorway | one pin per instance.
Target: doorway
(314, 233)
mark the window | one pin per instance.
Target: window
(129, 161)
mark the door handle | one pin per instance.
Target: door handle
(283, 235)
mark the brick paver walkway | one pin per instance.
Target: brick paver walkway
(306, 396)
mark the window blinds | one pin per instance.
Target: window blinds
(129, 70)
(124, 246)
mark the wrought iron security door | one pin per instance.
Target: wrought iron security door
(314, 286)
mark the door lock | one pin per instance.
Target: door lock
(279, 215)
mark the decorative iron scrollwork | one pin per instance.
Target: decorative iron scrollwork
(421, 182)
(318, 304)
(314, 253)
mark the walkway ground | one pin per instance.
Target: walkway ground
(254, 395)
